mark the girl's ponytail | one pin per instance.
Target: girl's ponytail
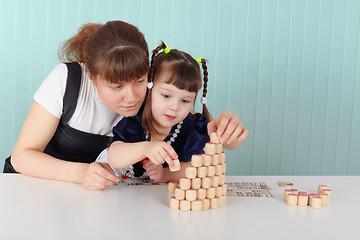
(153, 57)
(205, 111)
(72, 50)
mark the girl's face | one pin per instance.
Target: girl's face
(169, 104)
(124, 99)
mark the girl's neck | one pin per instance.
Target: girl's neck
(162, 133)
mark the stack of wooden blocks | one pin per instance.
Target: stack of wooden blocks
(203, 186)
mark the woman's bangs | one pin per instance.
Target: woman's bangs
(123, 64)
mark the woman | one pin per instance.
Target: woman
(77, 105)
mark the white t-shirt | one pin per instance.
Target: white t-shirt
(90, 115)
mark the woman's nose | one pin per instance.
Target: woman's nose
(129, 94)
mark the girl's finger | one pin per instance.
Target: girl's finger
(235, 134)
(243, 135)
(171, 152)
(230, 128)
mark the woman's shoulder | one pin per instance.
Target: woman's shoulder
(51, 91)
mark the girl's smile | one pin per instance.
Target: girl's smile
(169, 117)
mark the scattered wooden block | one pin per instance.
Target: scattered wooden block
(291, 199)
(327, 192)
(315, 202)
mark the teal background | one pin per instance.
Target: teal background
(289, 68)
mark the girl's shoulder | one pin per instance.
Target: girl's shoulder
(195, 126)
(132, 122)
(192, 137)
(129, 129)
(198, 120)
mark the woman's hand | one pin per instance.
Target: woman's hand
(98, 176)
(155, 172)
(230, 129)
(159, 152)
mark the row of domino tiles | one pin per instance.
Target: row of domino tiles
(303, 199)
(203, 186)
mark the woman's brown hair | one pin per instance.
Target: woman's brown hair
(185, 75)
(115, 51)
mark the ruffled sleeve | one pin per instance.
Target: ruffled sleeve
(196, 138)
(129, 130)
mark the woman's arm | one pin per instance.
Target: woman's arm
(229, 128)
(121, 155)
(28, 157)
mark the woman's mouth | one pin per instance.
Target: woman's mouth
(130, 107)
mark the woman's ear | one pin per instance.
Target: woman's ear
(91, 77)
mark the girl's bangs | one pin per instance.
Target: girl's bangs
(122, 64)
(185, 78)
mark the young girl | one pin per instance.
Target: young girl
(165, 128)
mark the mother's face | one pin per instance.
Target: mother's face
(124, 99)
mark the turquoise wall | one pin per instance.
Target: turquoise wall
(289, 68)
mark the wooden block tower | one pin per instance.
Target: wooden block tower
(203, 186)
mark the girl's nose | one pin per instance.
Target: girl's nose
(174, 105)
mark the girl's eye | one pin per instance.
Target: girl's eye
(140, 81)
(185, 101)
(165, 96)
(117, 87)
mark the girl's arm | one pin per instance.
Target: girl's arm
(160, 174)
(28, 157)
(121, 155)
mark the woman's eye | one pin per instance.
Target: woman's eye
(165, 96)
(140, 81)
(185, 101)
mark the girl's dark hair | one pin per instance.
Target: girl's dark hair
(185, 75)
(116, 51)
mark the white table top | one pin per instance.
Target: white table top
(33, 208)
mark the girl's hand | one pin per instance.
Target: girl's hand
(98, 176)
(229, 128)
(155, 172)
(160, 152)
